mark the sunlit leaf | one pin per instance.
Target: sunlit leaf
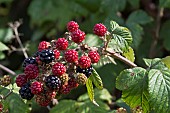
(3, 47)
(130, 54)
(166, 61)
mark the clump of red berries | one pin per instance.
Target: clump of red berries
(99, 29)
(58, 67)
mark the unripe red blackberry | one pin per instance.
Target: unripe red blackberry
(31, 71)
(78, 36)
(61, 44)
(53, 82)
(84, 62)
(46, 56)
(65, 89)
(43, 45)
(21, 80)
(25, 92)
(72, 83)
(30, 60)
(94, 56)
(36, 87)
(50, 94)
(64, 78)
(56, 54)
(72, 26)
(58, 69)
(81, 78)
(71, 56)
(42, 100)
(99, 29)
(1, 107)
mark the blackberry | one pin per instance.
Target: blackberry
(86, 71)
(25, 92)
(46, 56)
(30, 60)
(53, 82)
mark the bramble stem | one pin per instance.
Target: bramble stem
(15, 27)
(121, 58)
(7, 70)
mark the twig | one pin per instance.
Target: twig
(123, 59)
(156, 32)
(10, 92)
(15, 27)
(7, 70)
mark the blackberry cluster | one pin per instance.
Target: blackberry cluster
(46, 55)
(53, 82)
(86, 71)
(30, 60)
(25, 92)
(51, 70)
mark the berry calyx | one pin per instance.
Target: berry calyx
(61, 44)
(72, 26)
(56, 54)
(46, 56)
(43, 45)
(99, 29)
(94, 56)
(71, 56)
(78, 36)
(31, 71)
(84, 62)
(53, 82)
(58, 69)
(25, 92)
(21, 80)
(36, 87)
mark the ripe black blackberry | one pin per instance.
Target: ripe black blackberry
(53, 82)
(25, 92)
(30, 60)
(86, 71)
(46, 56)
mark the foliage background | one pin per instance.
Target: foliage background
(148, 20)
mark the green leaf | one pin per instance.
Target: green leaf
(88, 107)
(129, 78)
(134, 3)
(155, 63)
(3, 47)
(133, 83)
(130, 54)
(164, 3)
(96, 79)
(100, 95)
(65, 106)
(92, 40)
(159, 87)
(139, 17)
(6, 34)
(2, 55)
(90, 91)
(113, 25)
(166, 61)
(105, 60)
(165, 34)
(137, 32)
(122, 38)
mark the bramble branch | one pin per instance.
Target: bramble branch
(7, 70)
(15, 27)
(121, 58)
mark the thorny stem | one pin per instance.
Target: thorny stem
(156, 32)
(121, 58)
(10, 92)
(15, 27)
(7, 70)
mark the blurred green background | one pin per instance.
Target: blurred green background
(148, 21)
